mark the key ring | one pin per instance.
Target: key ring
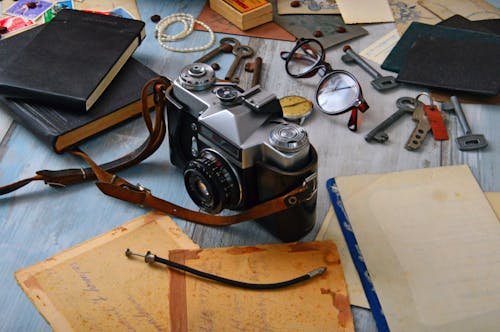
(431, 104)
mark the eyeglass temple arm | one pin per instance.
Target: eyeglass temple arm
(353, 119)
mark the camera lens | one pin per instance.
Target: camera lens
(212, 183)
(202, 188)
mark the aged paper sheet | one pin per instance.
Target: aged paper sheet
(95, 287)
(407, 11)
(365, 11)
(432, 252)
(319, 304)
(472, 9)
(311, 7)
(330, 230)
(380, 49)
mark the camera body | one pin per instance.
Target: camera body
(236, 151)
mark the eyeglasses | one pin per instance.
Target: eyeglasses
(338, 91)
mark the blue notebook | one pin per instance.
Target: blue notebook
(424, 243)
(356, 255)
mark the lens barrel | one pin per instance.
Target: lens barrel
(212, 183)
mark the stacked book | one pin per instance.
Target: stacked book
(73, 77)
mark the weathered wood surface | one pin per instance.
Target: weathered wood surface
(37, 222)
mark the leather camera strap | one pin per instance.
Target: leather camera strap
(112, 185)
(67, 177)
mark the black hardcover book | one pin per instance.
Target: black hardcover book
(61, 128)
(71, 60)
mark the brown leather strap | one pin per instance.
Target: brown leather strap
(117, 187)
(114, 186)
(157, 131)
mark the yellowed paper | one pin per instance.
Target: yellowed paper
(494, 199)
(310, 7)
(365, 11)
(319, 304)
(379, 50)
(430, 239)
(330, 230)
(95, 287)
(472, 9)
(407, 11)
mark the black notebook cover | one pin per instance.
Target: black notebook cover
(72, 59)
(460, 22)
(61, 128)
(397, 57)
(453, 64)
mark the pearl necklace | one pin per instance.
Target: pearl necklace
(188, 20)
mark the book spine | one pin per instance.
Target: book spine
(357, 257)
(41, 97)
(30, 118)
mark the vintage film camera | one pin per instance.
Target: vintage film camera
(237, 152)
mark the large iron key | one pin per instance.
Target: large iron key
(379, 82)
(421, 129)
(226, 45)
(406, 105)
(241, 52)
(468, 141)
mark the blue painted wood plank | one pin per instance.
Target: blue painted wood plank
(37, 222)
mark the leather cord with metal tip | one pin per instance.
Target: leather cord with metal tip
(151, 258)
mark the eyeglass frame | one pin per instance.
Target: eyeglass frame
(359, 104)
(320, 64)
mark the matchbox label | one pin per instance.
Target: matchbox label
(246, 5)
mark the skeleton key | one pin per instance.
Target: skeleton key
(255, 68)
(406, 105)
(240, 52)
(226, 45)
(421, 130)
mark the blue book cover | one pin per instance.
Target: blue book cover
(357, 256)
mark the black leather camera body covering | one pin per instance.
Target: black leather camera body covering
(222, 173)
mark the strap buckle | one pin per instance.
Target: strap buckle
(310, 184)
(137, 188)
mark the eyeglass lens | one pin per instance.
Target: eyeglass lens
(305, 57)
(337, 93)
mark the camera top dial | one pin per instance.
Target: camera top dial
(197, 77)
(289, 138)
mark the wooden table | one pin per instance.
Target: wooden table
(37, 222)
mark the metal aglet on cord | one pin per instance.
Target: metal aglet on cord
(151, 258)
